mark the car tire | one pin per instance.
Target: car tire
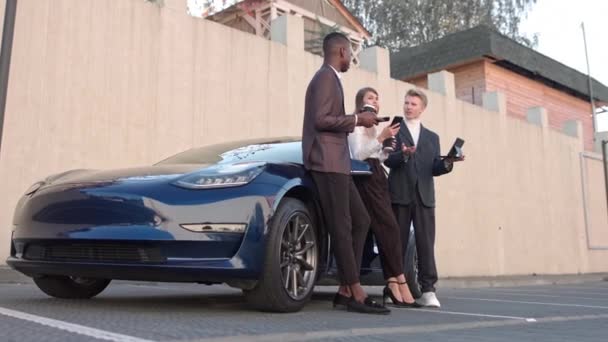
(291, 264)
(71, 287)
(411, 266)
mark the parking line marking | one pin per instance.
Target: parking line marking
(521, 294)
(535, 303)
(71, 327)
(574, 287)
(361, 332)
(604, 295)
(470, 314)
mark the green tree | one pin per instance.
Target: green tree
(207, 7)
(399, 23)
(314, 38)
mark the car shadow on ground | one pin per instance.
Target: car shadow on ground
(166, 299)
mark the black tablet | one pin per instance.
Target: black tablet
(456, 150)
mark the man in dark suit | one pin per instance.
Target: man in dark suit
(327, 157)
(412, 189)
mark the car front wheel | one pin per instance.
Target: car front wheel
(71, 287)
(291, 261)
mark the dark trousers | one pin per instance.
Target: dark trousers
(375, 195)
(424, 230)
(346, 221)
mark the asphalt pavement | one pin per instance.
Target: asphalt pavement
(550, 308)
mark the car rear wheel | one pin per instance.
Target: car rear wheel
(411, 266)
(71, 287)
(291, 262)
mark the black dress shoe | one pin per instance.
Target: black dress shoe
(340, 301)
(369, 306)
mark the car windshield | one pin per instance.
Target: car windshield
(270, 150)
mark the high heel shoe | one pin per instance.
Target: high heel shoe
(388, 293)
(413, 304)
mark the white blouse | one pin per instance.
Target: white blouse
(363, 144)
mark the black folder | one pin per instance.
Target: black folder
(456, 150)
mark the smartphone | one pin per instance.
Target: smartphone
(397, 120)
(383, 118)
(456, 150)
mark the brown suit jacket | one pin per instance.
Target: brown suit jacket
(326, 125)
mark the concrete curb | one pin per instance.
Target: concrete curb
(10, 276)
(521, 280)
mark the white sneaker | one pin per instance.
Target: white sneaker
(429, 299)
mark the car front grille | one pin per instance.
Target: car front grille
(98, 252)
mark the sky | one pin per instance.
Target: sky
(560, 37)
(558, 24)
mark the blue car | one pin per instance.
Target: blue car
(243, 213)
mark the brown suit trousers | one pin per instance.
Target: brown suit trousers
(375, 195)
(346, 220)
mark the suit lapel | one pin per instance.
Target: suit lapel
(422, 141)
(338, 82)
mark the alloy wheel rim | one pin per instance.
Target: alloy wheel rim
(298, 256)
(416, 271)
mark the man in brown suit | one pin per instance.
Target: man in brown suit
(326, 155)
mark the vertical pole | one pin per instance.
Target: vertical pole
(594, 117)
(273, 11)
(605, 160)
(5, 56)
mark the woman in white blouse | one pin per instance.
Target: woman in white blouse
(366, 144)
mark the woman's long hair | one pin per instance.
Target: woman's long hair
(360, 95)
(371, 132)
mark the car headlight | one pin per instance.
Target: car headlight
(221, 176)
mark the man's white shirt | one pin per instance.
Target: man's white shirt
(413, 126)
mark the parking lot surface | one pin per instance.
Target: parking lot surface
(188, 312)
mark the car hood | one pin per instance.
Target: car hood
(135, 173)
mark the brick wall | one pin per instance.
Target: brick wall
(421, 82)
(523, 93)
(472, 79)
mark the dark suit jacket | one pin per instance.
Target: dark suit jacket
(326, 126)
(417, 169)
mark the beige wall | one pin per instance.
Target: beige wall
(595, 198)
(106, 84)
